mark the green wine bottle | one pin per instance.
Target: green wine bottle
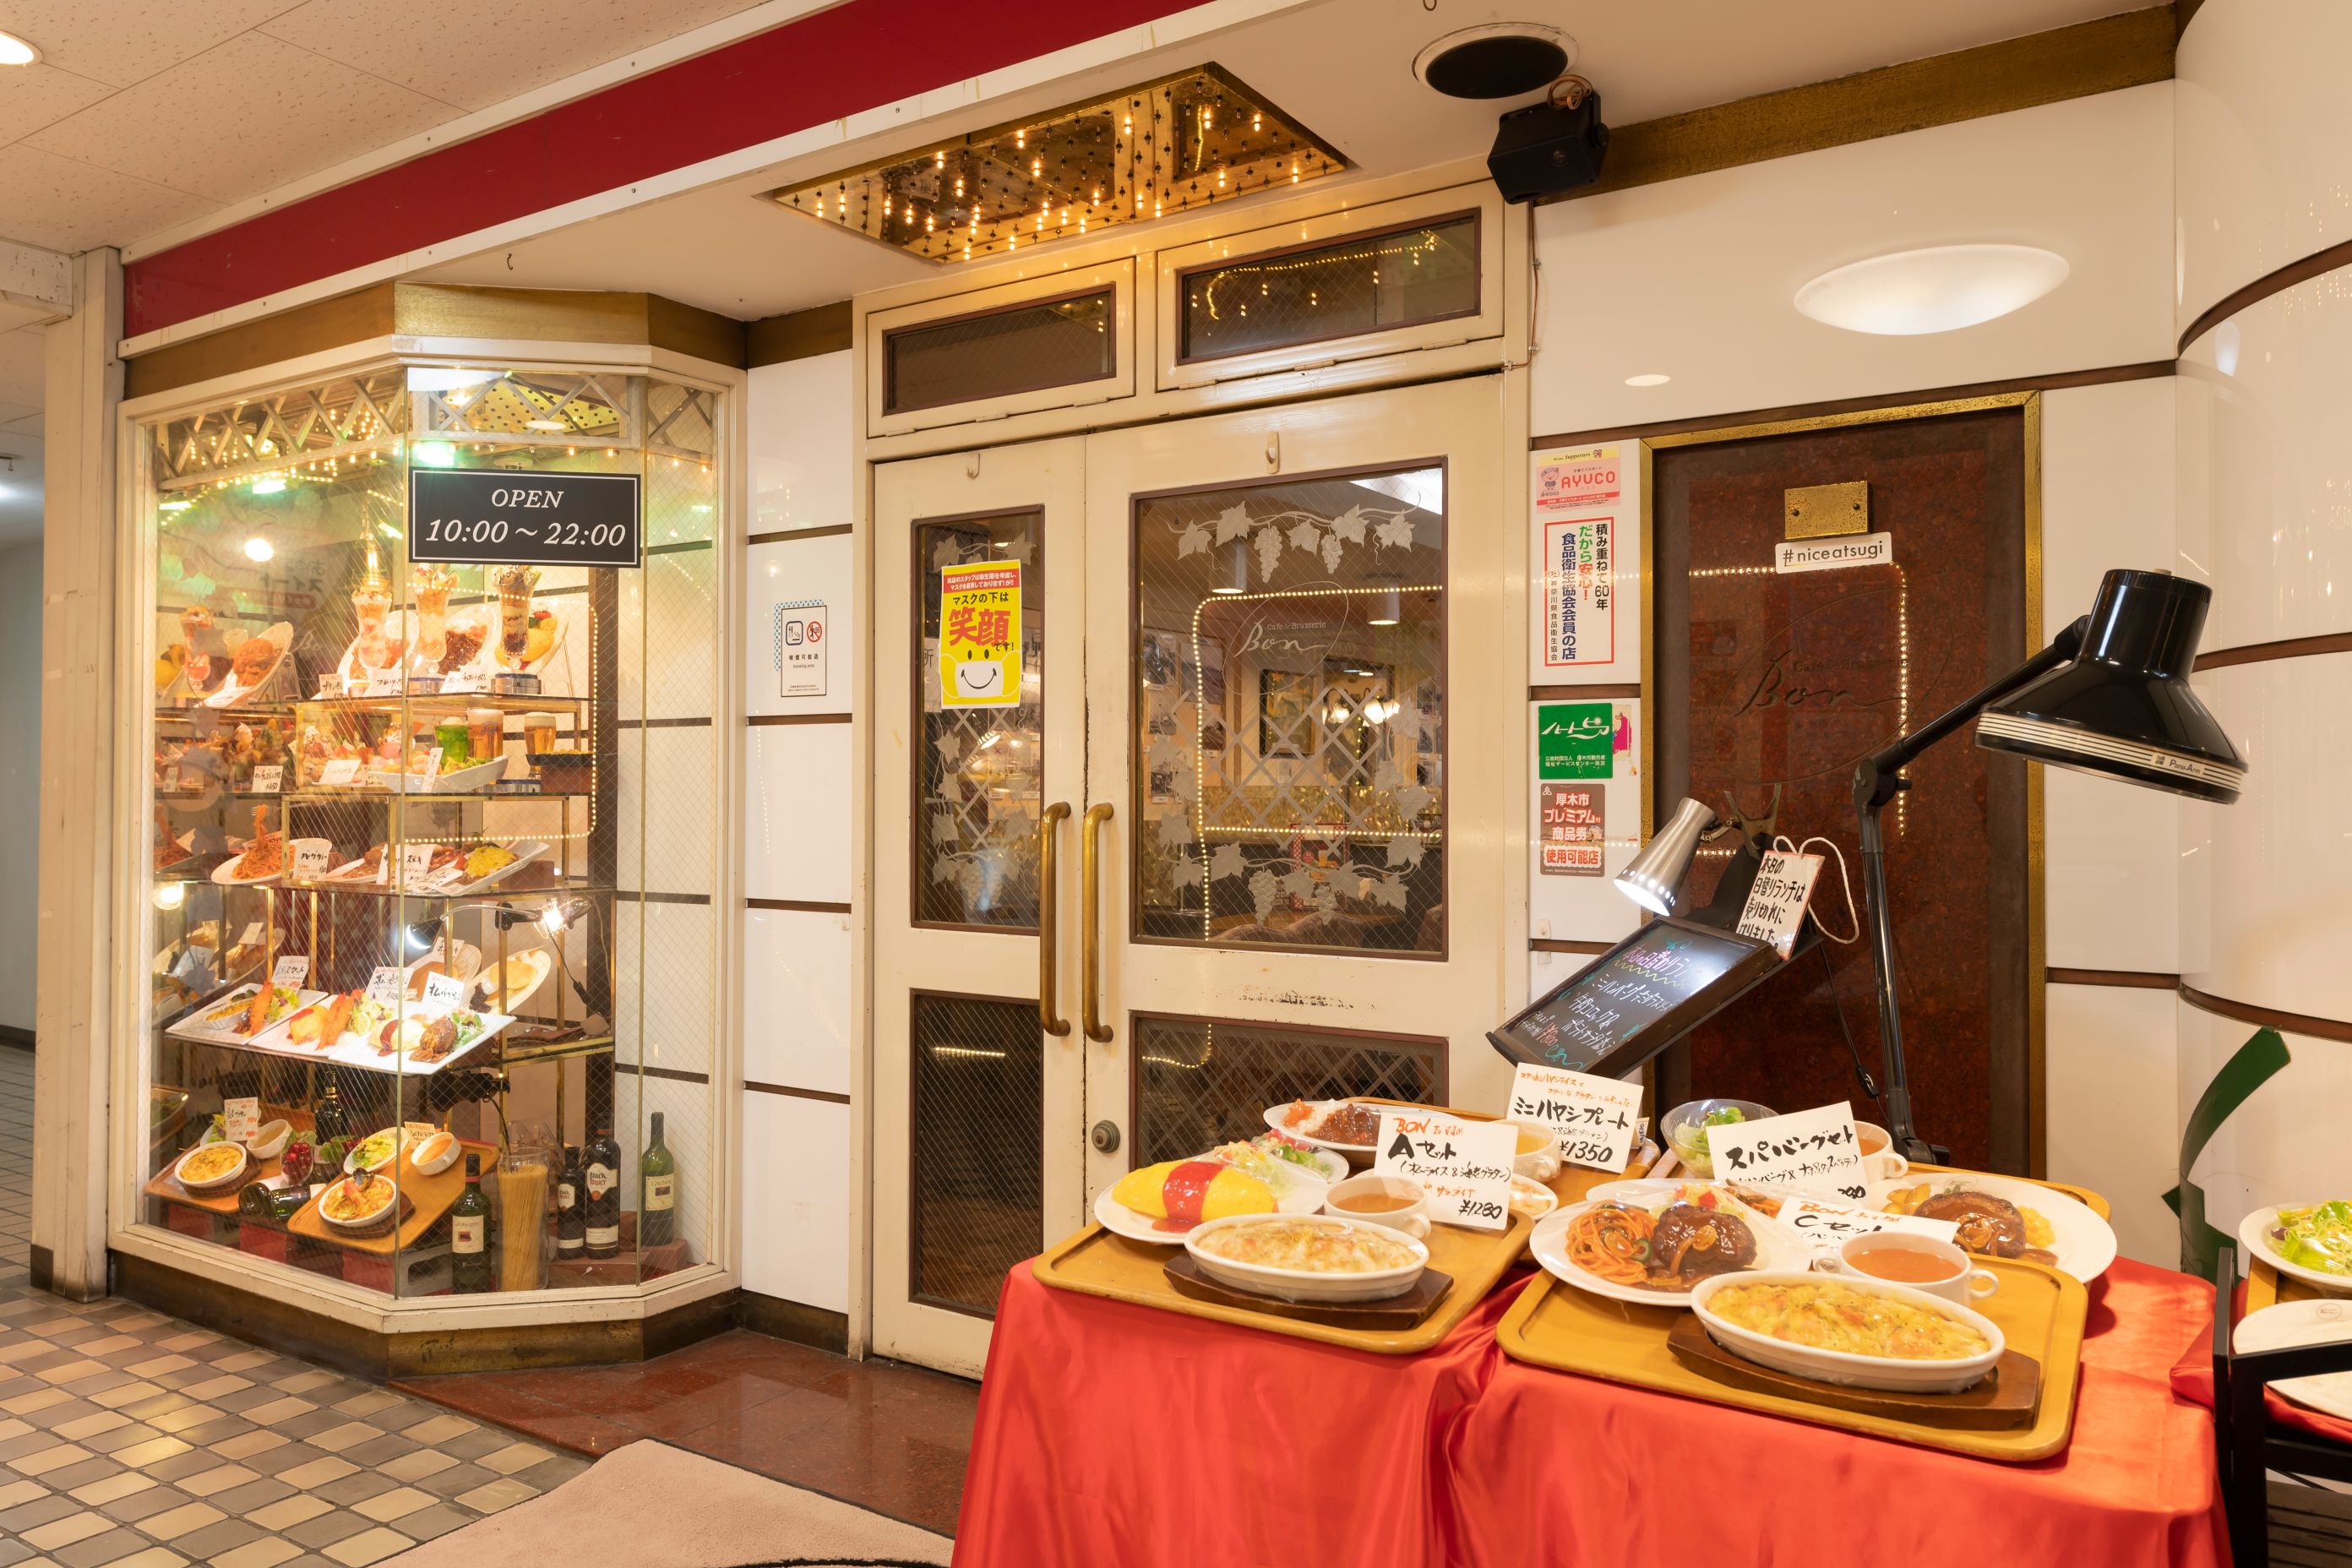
(657, 1192)
(469, 1234)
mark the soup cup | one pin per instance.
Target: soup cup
(1880, 1162)
(1940, 1268)
(1411, 1216)
(1538, 1152)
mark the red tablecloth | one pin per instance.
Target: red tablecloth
(1118, 1435)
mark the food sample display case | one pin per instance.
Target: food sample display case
(408, 907)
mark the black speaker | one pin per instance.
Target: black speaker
(1543, 149)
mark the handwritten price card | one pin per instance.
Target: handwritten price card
(1824, 1226)
(384, 985)
(240, 1117)
(1815, 1150)
(267, 779)
(442, 994)
(292, 970)
(1777, 900)
(1465, 1165)
(1599, 1119)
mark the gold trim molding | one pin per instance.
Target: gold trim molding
(442, 311)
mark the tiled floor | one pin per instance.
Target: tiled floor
(885, 1437)
(128, 1438)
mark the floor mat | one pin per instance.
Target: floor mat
(652, 1506)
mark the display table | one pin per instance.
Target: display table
(1111, 1433)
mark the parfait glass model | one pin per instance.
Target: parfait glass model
(433, 585)
(371, 602)
(515, 585)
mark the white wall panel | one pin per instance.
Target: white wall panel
(797, 1199)
(2279, 860)
(791, 570)
(2113, 855)
(2111, 1113)
(1694, 278)
(796, 999)
(801, 460)
(796, 812)
(2264, 146)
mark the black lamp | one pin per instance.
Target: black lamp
(2109, 695)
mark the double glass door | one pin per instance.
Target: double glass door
(1187, 805)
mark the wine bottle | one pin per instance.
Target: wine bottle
(658, 1192)
(570, 1221)
(469, 1234)
(328, 1121)
(601, 1189)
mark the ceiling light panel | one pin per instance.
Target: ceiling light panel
(1940, 289)
(1168, 146)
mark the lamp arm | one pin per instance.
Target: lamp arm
(1877, 779)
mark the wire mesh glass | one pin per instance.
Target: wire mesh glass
(996, 354)
(977, 1149)
(1364, 283)
(1200, 1082)
(1289, 704)
(979, 770)
(422, 785)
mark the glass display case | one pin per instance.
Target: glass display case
(433, 829)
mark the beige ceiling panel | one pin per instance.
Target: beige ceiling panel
(510, 46)
(61, 204)
(239, 118)
(122, 41)
(42, 95)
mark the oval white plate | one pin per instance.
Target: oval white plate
(2293, 1323)
(1297, 1285)
(1849, 1368)
(1774, 1249)
(486, 981)
(231, 692)
(224, 874)
(1274, 1114)
(2255, 1235)
(2085, 1243)
(244, 1163)
(1528, 1190)
(1302, 1197)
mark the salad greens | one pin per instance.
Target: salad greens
(2317, 1238)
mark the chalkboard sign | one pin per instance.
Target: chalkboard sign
(1636, 999)
(512, 517)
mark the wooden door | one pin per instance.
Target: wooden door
(1766, 678)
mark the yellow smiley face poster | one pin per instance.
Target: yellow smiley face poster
(979, 635)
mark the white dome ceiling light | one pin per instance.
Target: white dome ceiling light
(17, 51)
(1938, 290)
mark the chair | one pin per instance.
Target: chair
(2248, 1448)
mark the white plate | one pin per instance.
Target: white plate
(1528, 1190)
(475, 779)
(1274, 1114)
(1774, 1249)
(2254, 1236)
(2291, 1324)
(464, 963)
(194, 1027)
(231, 693)
(2085, 1243)
(224, 874)
(1295, 1285)
(1844, 1367)
(486, 982)
(369, 1223)
(1120, 1220)
(524, 854)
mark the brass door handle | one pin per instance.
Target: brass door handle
(1091, 873)
(1048, 919)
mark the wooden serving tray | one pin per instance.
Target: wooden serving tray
(2040, 1312)
(1396, 1312)
(426, 1198)
(2007, 1397)
(1097, 1262)
(165, 1185)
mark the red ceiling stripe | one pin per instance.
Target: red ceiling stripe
(857, 56)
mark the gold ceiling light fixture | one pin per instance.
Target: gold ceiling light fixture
(1166, 146)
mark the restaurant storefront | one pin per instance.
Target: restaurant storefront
(1230, 786)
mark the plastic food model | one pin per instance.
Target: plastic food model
(371, 602)
(515, 585)
(433, 584)
(1181, 1193)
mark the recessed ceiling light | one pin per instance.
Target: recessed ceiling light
(16, 51)
(1652, 380)
(1938, 290)
(545, 425)
(1497, 60)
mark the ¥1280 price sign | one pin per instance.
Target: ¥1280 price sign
(1464, 1165)
(511, 517)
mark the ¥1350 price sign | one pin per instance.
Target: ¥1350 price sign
(508, 517)
(1598, 1119)
(1464, 1165)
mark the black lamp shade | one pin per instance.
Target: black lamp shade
(2122, 708)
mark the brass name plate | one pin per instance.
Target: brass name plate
(1818, 511)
